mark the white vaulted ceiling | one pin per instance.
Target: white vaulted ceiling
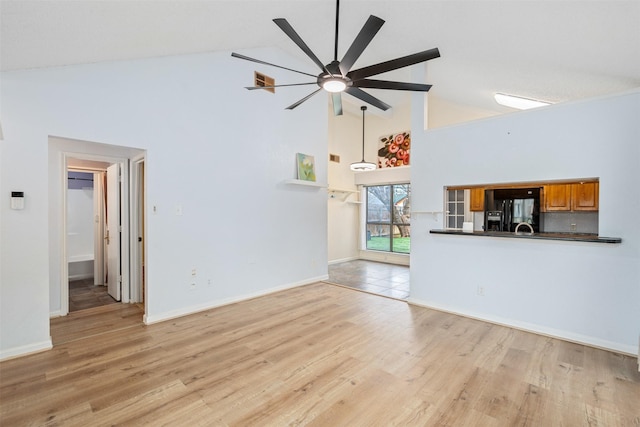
(551, 50)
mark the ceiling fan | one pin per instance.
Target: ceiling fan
(337, 76)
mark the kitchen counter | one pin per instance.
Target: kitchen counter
(568, 237)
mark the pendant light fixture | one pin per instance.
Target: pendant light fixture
(362, 165)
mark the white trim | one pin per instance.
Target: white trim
(384, 176)
(64, 270)
(135, 212)
(536, 329)
(148, 320)
(388, 257)
(81, 276)
(81, 258)
(341, 260)
(307, 183)
(25, 350)
(125, 220)
(98, 228)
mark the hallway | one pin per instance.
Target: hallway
(83, 294)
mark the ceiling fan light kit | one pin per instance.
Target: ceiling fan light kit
(334, 85)
(362, 165)
(337, 76)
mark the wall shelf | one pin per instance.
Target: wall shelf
(341, 194)
(307, 183)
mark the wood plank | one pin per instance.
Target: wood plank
(314, 355)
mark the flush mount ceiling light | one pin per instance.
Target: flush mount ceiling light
(518, 102)
(334, 85)
(362, 165)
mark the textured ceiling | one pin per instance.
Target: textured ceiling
(552, 50)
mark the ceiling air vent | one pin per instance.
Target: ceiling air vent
(262, 80)
(334, 158)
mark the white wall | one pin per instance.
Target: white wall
(345, 139)
(80, 223)
(585, 292)
(80, 231)
(444, 113)
(215, 149)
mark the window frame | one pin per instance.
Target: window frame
(393, 220)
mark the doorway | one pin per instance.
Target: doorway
(115, 217)
(93, 238)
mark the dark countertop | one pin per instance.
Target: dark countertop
(568, 237)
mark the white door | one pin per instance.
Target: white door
(112, 235)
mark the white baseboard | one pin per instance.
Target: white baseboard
(338, 261)
(81, 276)
(25, 350)
(387, 257)
(536, 329)
(150, 319)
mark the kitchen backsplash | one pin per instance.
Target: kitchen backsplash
(556, 222)
(561, 222)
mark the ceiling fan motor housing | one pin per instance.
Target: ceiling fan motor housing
(334, 75)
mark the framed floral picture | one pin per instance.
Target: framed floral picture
(306, 167)
(394, 150)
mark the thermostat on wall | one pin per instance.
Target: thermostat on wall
(17, 200)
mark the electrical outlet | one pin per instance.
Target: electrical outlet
(209, 282)
(193, 272)
(574, 227)
(480, 291)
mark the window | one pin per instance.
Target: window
(388, 218)
(455, 209)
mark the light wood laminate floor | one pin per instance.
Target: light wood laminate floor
(317, 355)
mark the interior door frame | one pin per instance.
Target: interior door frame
(138, 221)
(114, 236)
(124, 208)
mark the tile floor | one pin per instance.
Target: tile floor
(376, 277)
(83, 294)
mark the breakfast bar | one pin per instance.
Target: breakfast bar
(569, 237)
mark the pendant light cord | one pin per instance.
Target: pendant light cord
(363, 108)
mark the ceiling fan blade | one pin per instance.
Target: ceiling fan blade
(336, 99)
(394, 64)
(294, 105)
(362, 40)
(288, 30)
(274, 86)
(384, 84)
(237, 55)
(364, 96)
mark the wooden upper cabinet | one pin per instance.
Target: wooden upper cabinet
(477, 200)
(557, 197)
(571, 197)
(584, 196)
